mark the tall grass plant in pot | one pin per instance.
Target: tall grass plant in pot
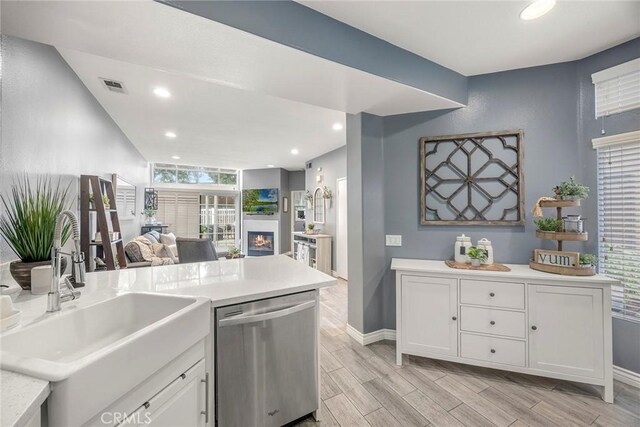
(28, 220)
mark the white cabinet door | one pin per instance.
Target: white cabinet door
(566, 330)
(181, 403)
(429, 315)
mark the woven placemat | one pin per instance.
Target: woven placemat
(493, 267)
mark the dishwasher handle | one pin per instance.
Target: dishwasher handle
(241, 320)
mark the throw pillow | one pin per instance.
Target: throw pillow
(151, 237)
(132, 249)
(168, 239)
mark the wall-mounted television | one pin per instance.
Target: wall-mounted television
(260, 202)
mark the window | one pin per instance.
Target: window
(218, 216)
(179, 174)
(180, 210)
(619, 219)
(617, 88)
(192, 214)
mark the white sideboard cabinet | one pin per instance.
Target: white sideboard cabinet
(524, 320)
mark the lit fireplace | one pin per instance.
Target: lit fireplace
(260, 243)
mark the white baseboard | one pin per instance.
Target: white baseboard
(625, 376)
(371, 337)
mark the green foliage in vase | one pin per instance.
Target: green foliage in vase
(548, 224)
(29, 217)
(477, 253)
(571, 188)
(588, 259)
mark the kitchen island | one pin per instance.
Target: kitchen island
(224, 283)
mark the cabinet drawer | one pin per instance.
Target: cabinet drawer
(492, 349)
(491, 321)
(492, 294)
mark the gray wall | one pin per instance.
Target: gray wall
(297, 180)
(544, 107)
(626, 335)
(373, 223)
(554, 106)
(334, 166)
(51, 124)
(355, 218)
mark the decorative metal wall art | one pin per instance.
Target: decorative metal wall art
(472, 179)
(151, 199)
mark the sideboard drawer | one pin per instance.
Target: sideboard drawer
(492, 349)
(491, 321)
(492, 294)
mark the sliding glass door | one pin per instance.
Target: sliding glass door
(218, 219)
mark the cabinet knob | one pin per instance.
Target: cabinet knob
(492, 322)
(534, 327)
(454, 318)
(493, 350)
(491, 294)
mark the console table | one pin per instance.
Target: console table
(153, 227)
(523, 320)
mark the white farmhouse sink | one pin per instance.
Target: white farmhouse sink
(96, 354)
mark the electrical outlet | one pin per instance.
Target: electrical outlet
(393, 240)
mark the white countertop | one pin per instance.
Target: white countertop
(518, 271)
(224, 282)
(21, 397)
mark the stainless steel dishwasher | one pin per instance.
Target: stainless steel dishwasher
(267, 361)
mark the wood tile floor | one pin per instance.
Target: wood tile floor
(362, 386)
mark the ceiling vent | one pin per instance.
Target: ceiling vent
(113, 85)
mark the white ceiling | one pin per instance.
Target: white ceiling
(477, 37)
(216, 125)
(156, 35)
(239, 101)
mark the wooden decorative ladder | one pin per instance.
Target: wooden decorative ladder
(98, 187)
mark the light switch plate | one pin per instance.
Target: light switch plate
(394, 240)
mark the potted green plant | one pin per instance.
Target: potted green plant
(571, 190)
(477, 255)
(310, 228)
(308, 197)
(149, 215)
(106, 202)
(588, 260)
(548, 224)
(234, 252)
(28, 223)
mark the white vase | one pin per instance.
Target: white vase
(40, 280)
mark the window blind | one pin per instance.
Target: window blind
(617, 88)
(180, 210)
(619, 219)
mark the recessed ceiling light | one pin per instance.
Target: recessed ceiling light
(271, 166)
(294, 151)
(175, 157)
(337, 126)
(162, 92)
(170, 135)
(536, 9)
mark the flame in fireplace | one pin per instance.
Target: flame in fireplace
(262, 242)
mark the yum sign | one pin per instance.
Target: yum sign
(562, 259)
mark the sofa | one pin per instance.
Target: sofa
(151, 249)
